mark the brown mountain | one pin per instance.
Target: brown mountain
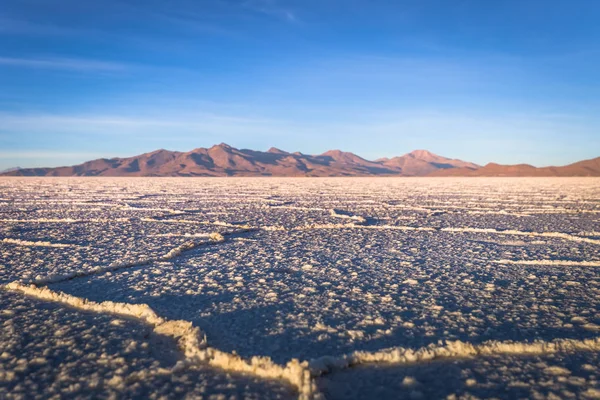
(423, 162)
(221, 160)
(224, 160)
(581, 168)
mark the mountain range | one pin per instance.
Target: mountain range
(224, 160)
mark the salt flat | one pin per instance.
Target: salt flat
(404, 287)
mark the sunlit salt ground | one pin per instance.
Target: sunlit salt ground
(380, 288)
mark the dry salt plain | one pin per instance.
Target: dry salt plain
(299, 288)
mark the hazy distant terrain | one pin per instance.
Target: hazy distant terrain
(581, 168)
(300, 288)
(224, 160)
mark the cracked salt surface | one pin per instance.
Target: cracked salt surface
(48, 350)
(305, 295)
(332, 271)
(558, 376)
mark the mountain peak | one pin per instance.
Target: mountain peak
(221, 148)
(423, 154)
(424, 162)
(334, 152)
(275, 150)
(159, 151)
(344, 156)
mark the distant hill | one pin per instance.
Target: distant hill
(224, 160)
(10, 170)
(423, 162)
(581, 168)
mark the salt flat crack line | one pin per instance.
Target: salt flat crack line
(190, 340)
(565, 263)
(64, 220)
(213, 239)
(175, 252)
(193, 222)
(28, 243)
(450, 350)
(286, 207)
(183, 235)
(168, 211)
(352, 225)
(560, 235)
(347, 215)
(589, 233)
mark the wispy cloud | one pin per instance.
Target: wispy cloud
(20, 27)
(178, 124)
(271, 8)
(195, 20)
(72, 64)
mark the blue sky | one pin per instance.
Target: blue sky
(507, 81)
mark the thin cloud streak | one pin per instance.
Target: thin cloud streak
(269, 8)
(71, 64)
(43, 121)
(180, 129)
(380, 122)
(19, 27)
